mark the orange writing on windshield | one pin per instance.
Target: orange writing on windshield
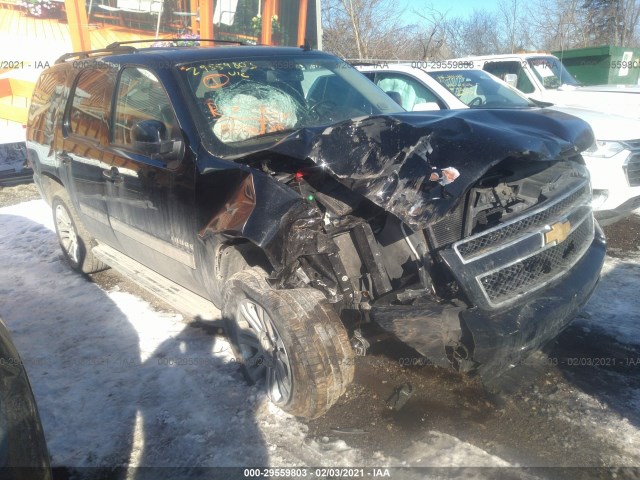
(214, 81)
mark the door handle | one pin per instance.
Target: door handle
(64, 157)
(112, 175)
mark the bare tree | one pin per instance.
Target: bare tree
(612, 22)
(454, 28)
(514, 25)
(630, 19)
(373, 29)
(480, 33)
(559, 24)
(431, 34)
(364, 28)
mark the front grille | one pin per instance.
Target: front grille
(449, 229)
(539, 269)
(633, 171)
(485, 241)
(505, 263)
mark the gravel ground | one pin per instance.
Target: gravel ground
(18, 194)
(623, 237)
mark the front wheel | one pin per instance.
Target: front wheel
(293, 339)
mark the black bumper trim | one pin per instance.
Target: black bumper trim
(505, 337)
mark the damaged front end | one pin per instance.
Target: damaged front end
(468, 235)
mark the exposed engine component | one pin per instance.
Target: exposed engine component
(359, 344)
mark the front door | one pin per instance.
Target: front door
(151, 195)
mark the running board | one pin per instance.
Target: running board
(180, 298)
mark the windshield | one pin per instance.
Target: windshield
(249, 103)
(478, 89)
(551, 72)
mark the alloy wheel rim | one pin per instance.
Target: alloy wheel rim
(67, 233)
(263, 352)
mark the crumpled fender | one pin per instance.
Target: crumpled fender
(390, 159)
(273, 217)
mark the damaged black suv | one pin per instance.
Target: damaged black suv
(283, 187)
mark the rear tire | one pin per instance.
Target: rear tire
(76, 242)
(293, 339)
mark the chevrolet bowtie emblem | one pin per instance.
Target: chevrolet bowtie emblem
(558, 233)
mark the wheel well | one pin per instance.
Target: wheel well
(236, 256)
(230, 258)
(50, 185)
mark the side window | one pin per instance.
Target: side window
(524, 84)
(47, 103)
(463, 87)
(405, 90)
(141, 97)
(500, 69)
(87, 115)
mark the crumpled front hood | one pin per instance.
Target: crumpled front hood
(390, 159)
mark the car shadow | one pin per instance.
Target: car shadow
(117, 384)
(195, 409)
(599, 353)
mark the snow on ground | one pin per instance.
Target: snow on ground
(119, 384)
(614, 306)
(612, 417)
(444, 450)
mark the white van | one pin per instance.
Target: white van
(543, 77)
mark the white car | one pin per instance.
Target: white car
(613, 161)
(544, 78)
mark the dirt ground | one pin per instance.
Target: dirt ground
(18, 194)
(516, 420)
(623, 237)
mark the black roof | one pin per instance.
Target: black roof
(176, 55)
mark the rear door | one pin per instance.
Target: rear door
(151, 196)
(82, 152)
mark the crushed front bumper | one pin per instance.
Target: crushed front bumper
(502, 339)
(496, 339)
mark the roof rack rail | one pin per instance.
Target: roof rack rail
(126, 47)
(119, 44)
(90, 53)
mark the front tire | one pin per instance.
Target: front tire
(74, 239)
(291, 338)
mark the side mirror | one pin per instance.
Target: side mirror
(426, 107)
(511, 79)
(150, 137)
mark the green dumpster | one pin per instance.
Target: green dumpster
(602, 65)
